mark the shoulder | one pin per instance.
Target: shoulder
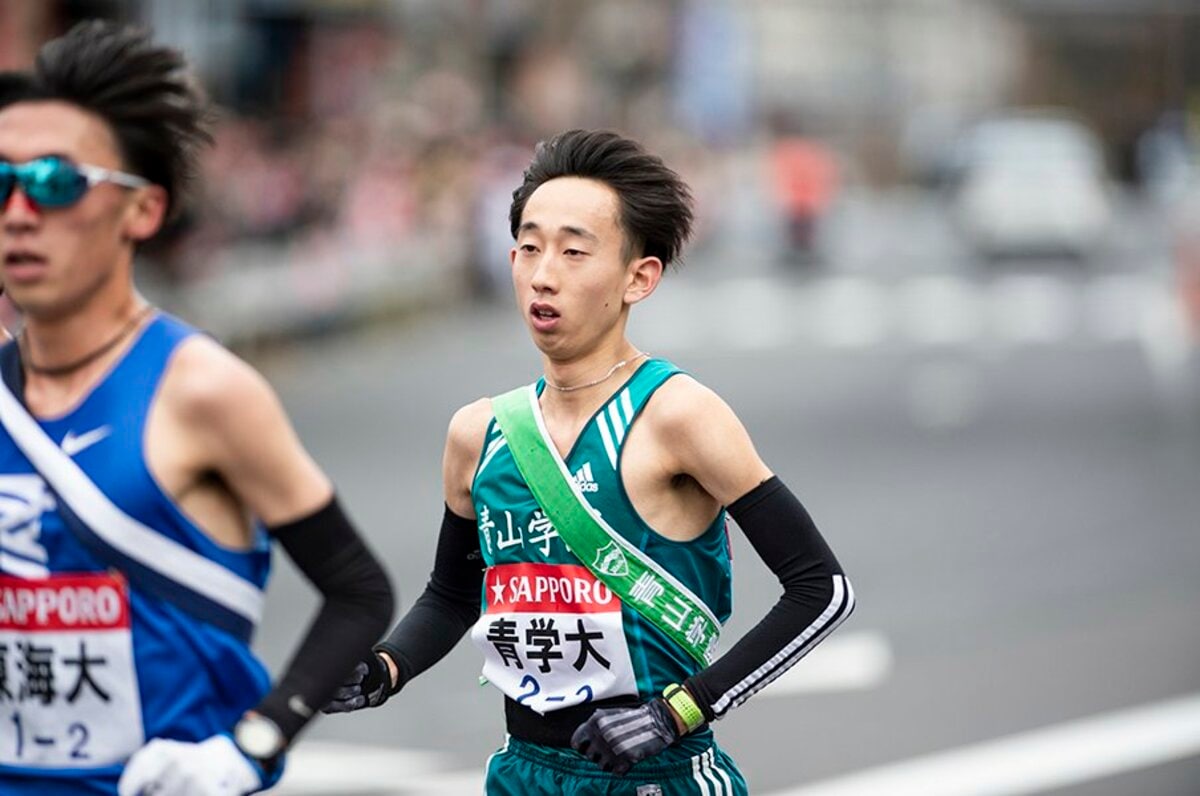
(206, 382)
(464, 441)
(471, 421)
(468, 426)
(681, 403)
(699, 434)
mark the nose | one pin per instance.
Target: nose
(545, 274)
(18, 209)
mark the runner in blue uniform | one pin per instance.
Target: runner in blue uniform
(606, 649)
(144, 470)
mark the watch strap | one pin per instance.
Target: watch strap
(678, 698)
(259, 738)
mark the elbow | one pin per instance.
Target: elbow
(365, 593)
(377, 599)
(828, 591)
(843, 595)
(840, 598)
(384, 602)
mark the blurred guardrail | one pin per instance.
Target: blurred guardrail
(255, 292)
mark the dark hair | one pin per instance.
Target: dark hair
(655, 204)
(143, 91)
(16, 86)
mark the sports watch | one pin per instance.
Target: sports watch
(258, 736)
(684, 705)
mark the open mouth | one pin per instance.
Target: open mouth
(23, 266)
(23, 258)
(543, 312)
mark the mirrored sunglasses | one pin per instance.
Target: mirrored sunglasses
(53, 181)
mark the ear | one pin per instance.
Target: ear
(146, 212)
(643, 276)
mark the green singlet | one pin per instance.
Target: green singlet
(553, 636)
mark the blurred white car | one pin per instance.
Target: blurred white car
(1033, 184)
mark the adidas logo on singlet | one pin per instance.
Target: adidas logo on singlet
(584, 480)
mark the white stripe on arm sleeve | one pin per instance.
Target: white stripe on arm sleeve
(841, 604)
(817, 597)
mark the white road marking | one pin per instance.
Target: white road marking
(1028, 310)
(844, 662)
(1058, 756)
(850, 312)
(756, 314)
(325, 768)
(1164, 336)
(1115, 305)
(940, 310)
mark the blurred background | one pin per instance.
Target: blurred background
(947, 270)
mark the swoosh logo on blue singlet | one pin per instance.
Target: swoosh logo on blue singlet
(74, 443)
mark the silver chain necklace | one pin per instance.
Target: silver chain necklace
(605, 377)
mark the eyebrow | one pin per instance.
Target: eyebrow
(579, 232)
(59, 155)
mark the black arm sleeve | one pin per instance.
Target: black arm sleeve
(357, 607)
(817, 597)
(446, 609)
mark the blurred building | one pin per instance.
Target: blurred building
(1126, 65)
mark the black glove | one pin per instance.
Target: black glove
(616, 738)
(368, 686)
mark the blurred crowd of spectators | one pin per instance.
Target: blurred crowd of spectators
(406, 143)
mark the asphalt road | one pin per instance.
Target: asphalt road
(1015, 504)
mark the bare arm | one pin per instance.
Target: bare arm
(703, 438)
(230, 423)
(711, 445)
(696, 434)
(464, 443)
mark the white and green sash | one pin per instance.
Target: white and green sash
(635, 577)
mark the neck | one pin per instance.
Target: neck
(577, 374)
(53, 342)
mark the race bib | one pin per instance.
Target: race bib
(68, 690)
(552, 636)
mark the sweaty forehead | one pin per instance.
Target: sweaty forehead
(573, 202)
(32, 129)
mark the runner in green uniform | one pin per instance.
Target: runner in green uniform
(611, 677)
